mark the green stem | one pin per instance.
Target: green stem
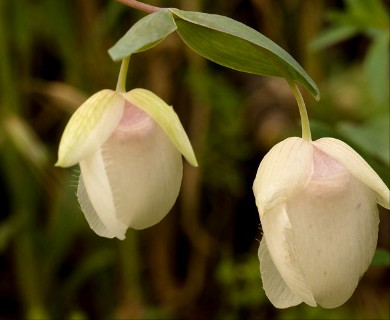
(306, 133)
(121, 84)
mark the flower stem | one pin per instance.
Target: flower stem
(140, 6)
(306, 133)
(121, 84)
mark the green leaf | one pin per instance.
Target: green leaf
(376, 67)
(145, 34)
(235, 45)
(332, 36)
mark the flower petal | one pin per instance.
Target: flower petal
(90, 214)
(282, 249)
(283, 172)
(274, 286)
(100, 195)
(166, 118)
(356, 165)
(335, 228)
(144, 168)
(91, 125)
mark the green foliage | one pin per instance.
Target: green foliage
(217, 38)
(235, 45)
(371, 137)
(144, 34)
(225, 144)
(381, 258)
(371, 19)
(240, 282)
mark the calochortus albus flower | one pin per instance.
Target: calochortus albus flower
(317, 202)
(129, 146)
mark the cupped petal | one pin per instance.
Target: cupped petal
(274, 286)
(335, 228)
(357, 166)
(144, 169)
(91, 125)
(97, 202)
(283, 252)
(166, 118)
(282, 173)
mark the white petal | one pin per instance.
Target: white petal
(144, 169)
(357, 166)
(283, 172)
(166, 118)
(282, 249)
(90, 214)
(91, 125)
(100, 194)
(274, 286)
(335, 228)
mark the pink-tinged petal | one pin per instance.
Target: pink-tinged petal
(89, 127)
(357, 166)
(97, 202)
(282, 249)
(274, 286)
(144, 169)
(282, 173)
(334, 224)
(166, 118)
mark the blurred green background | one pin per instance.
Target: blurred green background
(201, 261)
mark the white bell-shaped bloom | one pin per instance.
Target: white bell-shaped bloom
(129, 148)
(317, 203)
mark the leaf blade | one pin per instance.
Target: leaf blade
(237, 46)
(143, 35)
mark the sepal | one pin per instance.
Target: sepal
(89, 127)
(166, 118)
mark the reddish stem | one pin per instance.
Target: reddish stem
(140, 6)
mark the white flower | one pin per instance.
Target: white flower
(129, 148)
(318, 209)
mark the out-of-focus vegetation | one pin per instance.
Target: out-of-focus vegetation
(201, 261)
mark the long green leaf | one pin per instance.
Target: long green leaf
(237, 46)
(376, 68)
(145, 34)
(332, 36)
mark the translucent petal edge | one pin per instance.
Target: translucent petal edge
(93, 219)
(274, 286)
(282, 248)
(100, 194)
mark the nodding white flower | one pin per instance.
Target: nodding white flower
(129, 148)
(317, 202)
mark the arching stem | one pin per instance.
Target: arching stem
(306, 133)
(121, 84)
